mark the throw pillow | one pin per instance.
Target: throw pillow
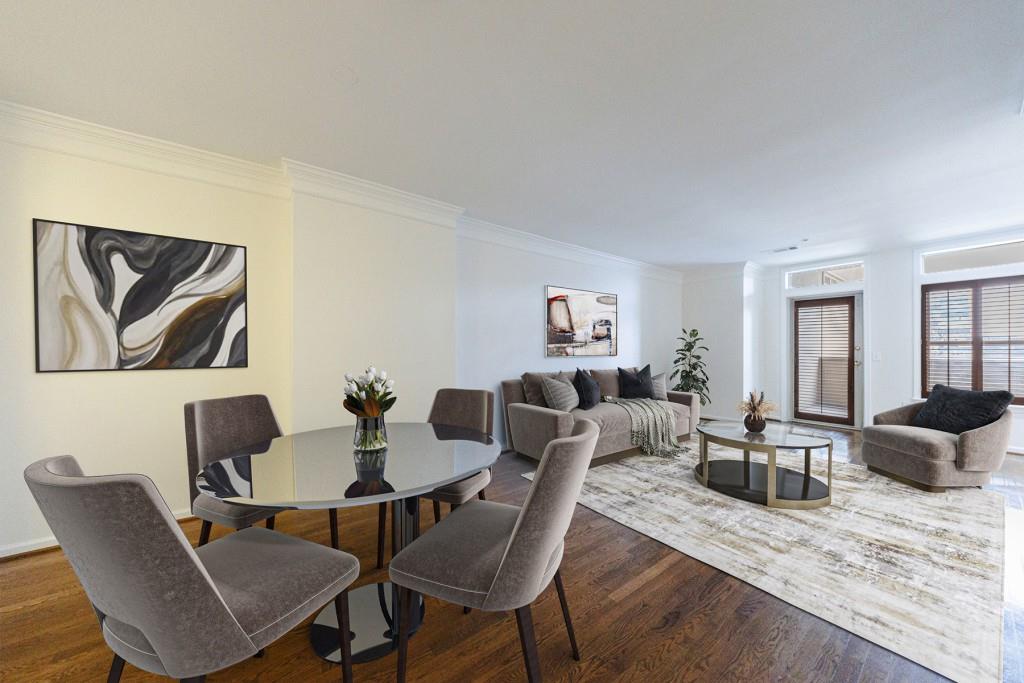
(959, 410)
(636, 384)
(559, 393)
(532, 386)
(587, 388)
(660, 387)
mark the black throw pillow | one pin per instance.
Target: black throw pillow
(588, 389)
(636, 384)
(959, 410)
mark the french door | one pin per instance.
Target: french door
(823, 360)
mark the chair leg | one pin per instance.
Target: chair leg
(437, 512)
(204, 532)
(565, 614)
(116, 667)
(270, 522)
(259, 655)
(467, 610)
(194, 679)
(344, 635)
(333, 515)
(405, 597)
(481, 494)
(529, 643)
(382, 520)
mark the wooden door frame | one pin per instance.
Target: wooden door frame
(850, 301)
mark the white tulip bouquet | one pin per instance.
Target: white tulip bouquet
(370, 394)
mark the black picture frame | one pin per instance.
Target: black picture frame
(36, 301)
(547, 323)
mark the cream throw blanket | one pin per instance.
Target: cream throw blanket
(652, 425)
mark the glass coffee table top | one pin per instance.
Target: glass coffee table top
(776, 435)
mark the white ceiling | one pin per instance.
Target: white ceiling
(669, 132)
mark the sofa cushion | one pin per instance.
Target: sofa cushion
(587, 388)
(532, 386)
(608, 380)
(919, 442)
(614, 418)
(636, 384)
(559, 393)
(959, 410)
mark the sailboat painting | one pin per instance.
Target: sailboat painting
(582, 323)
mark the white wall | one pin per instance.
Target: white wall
(125, 421)
(371, 286)
(501, 306)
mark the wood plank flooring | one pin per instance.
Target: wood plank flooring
(642, 611)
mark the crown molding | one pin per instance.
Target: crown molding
(327, 184)
(40, 129)
(482, 231)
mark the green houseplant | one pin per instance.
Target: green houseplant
(689, 366)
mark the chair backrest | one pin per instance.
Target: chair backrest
(218, 427)
(468, 408)
(544, 518)
(136, 565)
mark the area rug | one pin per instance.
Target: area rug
(918, 573)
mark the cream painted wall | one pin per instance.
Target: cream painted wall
(125, 421)
(370, 286)
(502, 312)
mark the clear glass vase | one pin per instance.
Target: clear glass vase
(371, 434)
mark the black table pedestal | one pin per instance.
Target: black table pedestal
(372, 615)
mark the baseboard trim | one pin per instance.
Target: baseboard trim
(46, 544)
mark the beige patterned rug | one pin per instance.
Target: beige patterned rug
(918, 573)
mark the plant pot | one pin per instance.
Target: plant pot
(371, 434)
(754, 424)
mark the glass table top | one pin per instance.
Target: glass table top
(777, 435)
(320, 469)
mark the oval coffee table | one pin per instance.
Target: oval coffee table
(758, 482)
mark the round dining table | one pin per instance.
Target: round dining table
(321, 470)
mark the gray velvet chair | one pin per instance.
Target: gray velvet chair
(469, 408)
(930, 459)
(167, 608)
(219, 428)
(498, 557)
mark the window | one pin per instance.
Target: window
(972, 335)
(984, 256)
(825, 275)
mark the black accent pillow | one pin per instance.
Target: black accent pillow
(588, 389)
(636, 384)
(959, 410)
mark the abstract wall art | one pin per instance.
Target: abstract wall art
(582, 323)
(117, 300)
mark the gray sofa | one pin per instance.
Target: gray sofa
(931, 459)
(530, 424)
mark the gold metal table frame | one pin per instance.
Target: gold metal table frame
(770, 450)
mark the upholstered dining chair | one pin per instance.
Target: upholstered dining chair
(498, 557)
(468, 408)
(218, 428)
(170, 609)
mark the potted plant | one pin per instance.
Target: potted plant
(755, 410)
(689, 366)
(368, 397)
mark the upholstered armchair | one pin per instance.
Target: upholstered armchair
(931, 459)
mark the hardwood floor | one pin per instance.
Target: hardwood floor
(642, 612)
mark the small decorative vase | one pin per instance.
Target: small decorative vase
(371, 434)
(754, 424)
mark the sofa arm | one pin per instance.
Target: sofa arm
(899, 416)
(983, 449)
(534, 426)
(688, 399)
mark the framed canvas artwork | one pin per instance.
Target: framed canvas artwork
(111, 299)
(582, 323)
